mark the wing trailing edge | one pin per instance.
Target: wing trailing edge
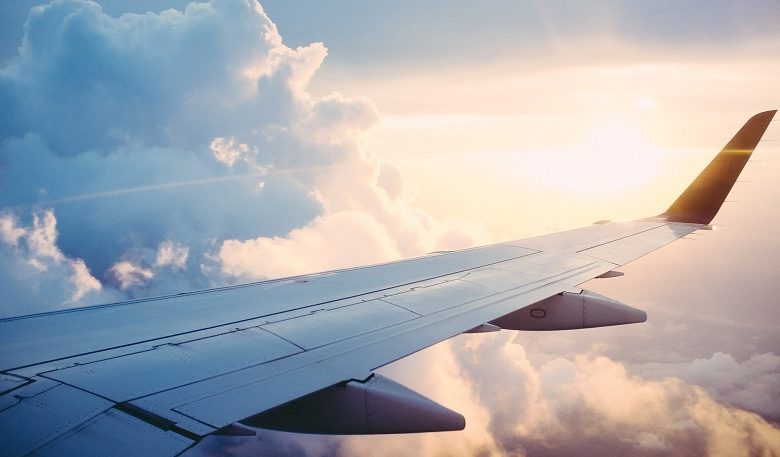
(703, 198)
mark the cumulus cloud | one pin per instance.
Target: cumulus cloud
(751, 384)
(34, 273)
(128, 275)
(172, 254)
(227, 151)
(341, 239)
(182, 150)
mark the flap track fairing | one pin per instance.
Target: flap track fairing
(566, 311)
(377, 405)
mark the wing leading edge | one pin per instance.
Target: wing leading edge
(153, 377)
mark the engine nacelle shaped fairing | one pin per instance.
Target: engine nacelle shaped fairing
(377, 405)
(568, 310)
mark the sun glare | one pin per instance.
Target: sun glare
(615, 157)
(643, 103)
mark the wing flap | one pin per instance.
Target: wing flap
(172, 365)
(117, 434)
(42, 411)
(328, 326)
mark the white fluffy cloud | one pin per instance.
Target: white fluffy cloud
(341, 239)
(34, 274)
(227, 151)
(752, 384)
(127, 274)
(182, 150)
(172, 254)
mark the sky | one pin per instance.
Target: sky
(156, 147)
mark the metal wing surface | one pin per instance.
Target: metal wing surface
(154, 376)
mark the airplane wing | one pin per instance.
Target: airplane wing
(154, 376)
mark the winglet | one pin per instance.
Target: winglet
(705, 195)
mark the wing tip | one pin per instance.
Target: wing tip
(702, 199)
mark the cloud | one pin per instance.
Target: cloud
(182, 150)
(34, 273)
(103, 81)
(592, 404)
(172, 254)
(751, 384)
(128, 275)
(227, 151)
(319, 246)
